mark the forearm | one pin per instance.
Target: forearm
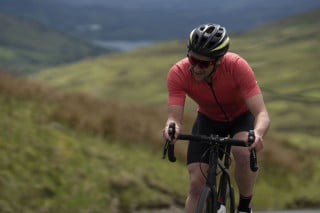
(262, 123)
(175, 115)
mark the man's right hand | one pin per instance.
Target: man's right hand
(171, 128)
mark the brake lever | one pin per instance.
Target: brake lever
(168, 147)
(253, 155)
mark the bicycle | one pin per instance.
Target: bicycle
(215, 198)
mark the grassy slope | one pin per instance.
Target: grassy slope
(109, 75)
(44, 169)
(27, 46)
(285, 164)
(47, 167)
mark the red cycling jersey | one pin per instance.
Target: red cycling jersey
(232, 83)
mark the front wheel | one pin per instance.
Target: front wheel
(226, 194)
(230, 202)
(207, 201)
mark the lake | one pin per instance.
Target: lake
(122, 45)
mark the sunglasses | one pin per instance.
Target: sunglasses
(202, 64)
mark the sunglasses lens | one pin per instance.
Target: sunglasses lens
(192, 61)
(202, 64)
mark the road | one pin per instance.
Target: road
(179, 210)
(292, 211)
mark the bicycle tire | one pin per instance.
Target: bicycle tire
(230, 201)
(207, 201)
(227, 195)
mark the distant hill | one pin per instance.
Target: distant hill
(151, 20)
(27, 46)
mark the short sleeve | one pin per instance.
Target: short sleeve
(245, 79)
(176, 87)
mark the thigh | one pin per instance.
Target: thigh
(197, 150)
(239, 130)
(204, 126)
(241, 154)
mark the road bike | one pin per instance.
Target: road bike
(215, 198)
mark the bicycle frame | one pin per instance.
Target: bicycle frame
(217, 154)
(211, 179)
(213, 165)
(225, 176)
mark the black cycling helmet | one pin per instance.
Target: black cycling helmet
(210, 40)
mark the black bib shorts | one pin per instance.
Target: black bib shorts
(205, 126)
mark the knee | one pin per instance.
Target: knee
(196, 179)
(195, 187)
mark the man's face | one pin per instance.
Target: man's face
(200, 66)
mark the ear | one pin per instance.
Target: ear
(219, 60)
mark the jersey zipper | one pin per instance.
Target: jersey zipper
(218, 103)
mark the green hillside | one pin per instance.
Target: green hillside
(27, 46)
(134, 77)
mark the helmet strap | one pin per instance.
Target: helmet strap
(214, 68)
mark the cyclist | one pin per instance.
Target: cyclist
(229, 103)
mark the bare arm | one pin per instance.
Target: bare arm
(262, 121)
(175, 114)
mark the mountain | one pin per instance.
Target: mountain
(151, 20)
(27, 46)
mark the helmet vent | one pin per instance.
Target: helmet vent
(210, 30)
(218, 34)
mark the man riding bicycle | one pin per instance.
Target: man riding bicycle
(229, 103)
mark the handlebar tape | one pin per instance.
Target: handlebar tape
(190, 137)
(171, 156)
(208, 139)
(253, 154)
(171, 132)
